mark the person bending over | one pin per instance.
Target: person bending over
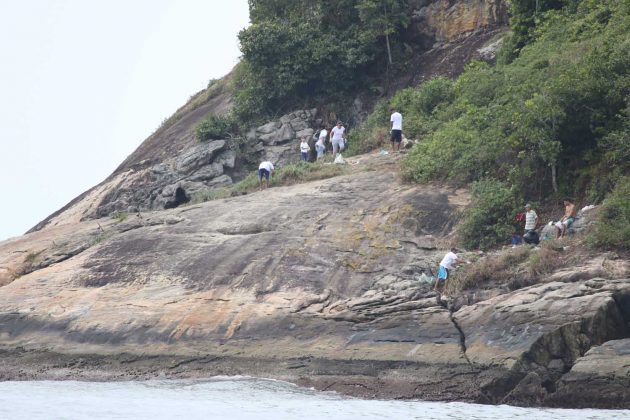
(265, 169)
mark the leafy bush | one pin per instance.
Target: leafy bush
(215, 127)
(314, 51)
(490, 219)
(613, 227)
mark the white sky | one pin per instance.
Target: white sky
(84, 82)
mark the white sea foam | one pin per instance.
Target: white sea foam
(238, 398)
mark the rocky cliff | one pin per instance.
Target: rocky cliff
(325, 283)
(171, 166)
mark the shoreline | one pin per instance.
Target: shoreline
(365, 379)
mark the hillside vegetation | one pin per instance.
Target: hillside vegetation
(551, 119)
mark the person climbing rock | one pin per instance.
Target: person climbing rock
(265, 169)
(338, 140)
(320, 146)
(450, 261)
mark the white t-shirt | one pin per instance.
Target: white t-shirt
(448, 260)
(337, 133)
(322, 136)
(266, 165)
(396, 120)
(304, 147)
(530, 220)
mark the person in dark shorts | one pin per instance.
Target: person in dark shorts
(264, 170)
(396, 137)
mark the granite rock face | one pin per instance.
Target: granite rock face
(193, 169)
(327, 284)
(601, 378)
(443, 21)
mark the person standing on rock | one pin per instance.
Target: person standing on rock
(531, 221)
(265, 169)
(396, 137)
(338, 134)
(449, 262)
(304, 149)
(320, 146)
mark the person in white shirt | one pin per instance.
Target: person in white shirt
(304, 149)
(396, 137)
(449, 262)
(320, 146)
(338, 138)
(531, 221)
(265, 169)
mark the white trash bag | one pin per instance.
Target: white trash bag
(340, 160)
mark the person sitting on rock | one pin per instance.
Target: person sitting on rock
(449, 262)
(567, 220)
(265, 169)
(304, 149)
(531, 221)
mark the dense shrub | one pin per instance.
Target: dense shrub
(552, 122)
(613, 228)
(215, 127)
(490, 218)
(299, 52)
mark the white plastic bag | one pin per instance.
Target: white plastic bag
(339, 159)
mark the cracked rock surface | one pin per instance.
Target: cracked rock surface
(322, 283)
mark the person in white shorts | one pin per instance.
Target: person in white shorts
(338, 134)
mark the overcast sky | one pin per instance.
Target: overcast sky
(84, 82)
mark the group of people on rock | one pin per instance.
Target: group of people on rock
(337, 140)
(531, 236)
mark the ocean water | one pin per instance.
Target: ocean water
(238, 398)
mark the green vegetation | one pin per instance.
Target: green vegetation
(299, 53)
(490, 218)
(287, 175)
(613, 228)
(552, 122)
(120, 216)
(216, 127)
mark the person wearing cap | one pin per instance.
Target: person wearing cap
(338, 140)
(531, 221)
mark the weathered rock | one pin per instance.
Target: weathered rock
(268, 128)
(447, 21)
(199, 156)
(227, 159)
(521, 336)
(601, 378)
(207, 172)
